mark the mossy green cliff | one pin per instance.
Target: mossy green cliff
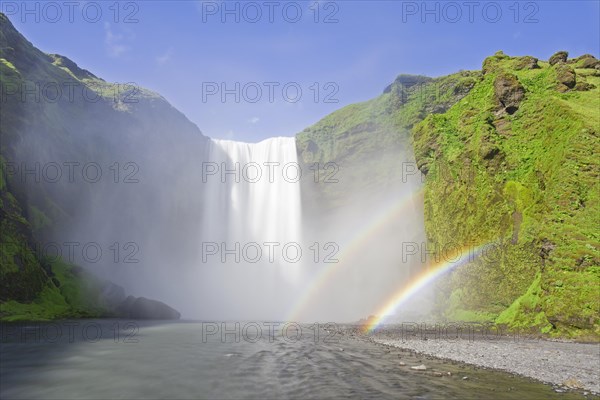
(515, 163)
(509, 154)
(52, 111)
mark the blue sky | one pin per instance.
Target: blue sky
(347, 52)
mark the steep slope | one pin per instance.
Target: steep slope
(55, 116)
(514, 163)
(508, 155)
(369, 142)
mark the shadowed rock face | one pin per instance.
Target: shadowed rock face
(565, 74)
(121, 306)
(508, 92)
(143, 308)
(526, 62)
(558, 57)
(110, 128)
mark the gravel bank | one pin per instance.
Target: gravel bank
(562, 364)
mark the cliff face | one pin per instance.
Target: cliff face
(55, 119)
(508, 157)
(507, 154)
(514, 164)
(370, 142)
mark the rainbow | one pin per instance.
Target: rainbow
(461, 257)
(385, 216)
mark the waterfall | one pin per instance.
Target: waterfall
(252, 208)
(254, 189)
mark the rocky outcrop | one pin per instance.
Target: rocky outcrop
(79, 73)
(143, 308)
(121, 120)
(565, 74)
(526, 62)
(586, 61)
(494, 175)
(119, 305)
(508, 92)
(558, 57)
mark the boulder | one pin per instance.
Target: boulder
(584, 86)
(565, 74)
(558, 57)
(526, 62)
(508, 92)
(586, 61)
(589, 63)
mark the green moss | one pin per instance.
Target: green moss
(68, 295)
(80, 290)
(525, 312)
(455, 313)
(8, 64)
(38, 219)
(528, 180)
(50, 305)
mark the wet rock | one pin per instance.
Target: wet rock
(508, 92)
(464, 378)
(558, 57)
(438, 374)
(402, 364)
(419, 367)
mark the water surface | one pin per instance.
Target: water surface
(94, 359)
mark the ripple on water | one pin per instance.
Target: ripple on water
(171, 361)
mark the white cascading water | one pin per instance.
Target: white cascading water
(254, 190)
(252, 197)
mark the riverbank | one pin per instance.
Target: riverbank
(564, 365)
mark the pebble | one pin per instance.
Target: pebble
(572, 364)
(419, 367)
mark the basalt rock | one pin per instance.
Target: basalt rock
(586, 61)
(508, 92)
(584, 86)
(565, 74)
(526, 62)
(143, 308)
(558, 57)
